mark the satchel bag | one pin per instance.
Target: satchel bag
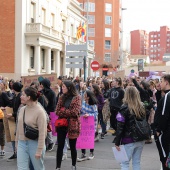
(29, 132)
(63, 122)
(141, 130)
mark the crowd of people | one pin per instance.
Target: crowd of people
(116, 101)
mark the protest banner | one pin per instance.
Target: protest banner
(86, 138)
(27, 80)
(53, 118)
(120, 73)
(9, 125)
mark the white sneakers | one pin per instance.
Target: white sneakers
(84, 157)
(64, 157)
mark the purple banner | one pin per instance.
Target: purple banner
(86, 138)
(53, 118)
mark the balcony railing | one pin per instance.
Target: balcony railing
(40, 28)
(107, 47)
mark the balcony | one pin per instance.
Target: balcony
(107, 47)
(38, 28)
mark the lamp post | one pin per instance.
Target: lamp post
(85, 57)
(121, 47)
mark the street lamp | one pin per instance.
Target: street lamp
(121, 45)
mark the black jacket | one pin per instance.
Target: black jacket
(16, 104)
(125, 124)
(50, 95)
(116, 96)
(6, 99)
(162, 121)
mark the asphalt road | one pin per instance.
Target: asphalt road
(104, 159)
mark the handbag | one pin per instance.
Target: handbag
(141, 130)
(29, 132)
(63, 122)
(1, 114)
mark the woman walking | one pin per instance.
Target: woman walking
(68, 107)
(89, 108)
(125, 135)
(34, 115)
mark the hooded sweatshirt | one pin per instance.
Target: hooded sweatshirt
(50, 95)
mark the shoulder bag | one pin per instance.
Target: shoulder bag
(141, 130)
(29, 132)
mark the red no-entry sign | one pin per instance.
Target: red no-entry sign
(95, 65)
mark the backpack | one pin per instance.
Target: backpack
(141, 130)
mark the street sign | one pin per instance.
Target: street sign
(95, 65)
(75, 55)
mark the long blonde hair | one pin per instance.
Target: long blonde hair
(132, 99)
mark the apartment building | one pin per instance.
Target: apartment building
(34, 36)
(139, 42)
(155, 44)
(104, 32)
(159, 44)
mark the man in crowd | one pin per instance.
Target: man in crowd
(162, 122)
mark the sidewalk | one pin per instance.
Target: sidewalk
(104, 159)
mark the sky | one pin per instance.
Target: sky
(146, 15)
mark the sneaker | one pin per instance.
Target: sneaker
(96, 139)
(82, 158)
(57, 168)
(91, 156)
(73, 167)
(64, 157)
(12, 158)
(51, 146)
(102, 135)
(2, 153)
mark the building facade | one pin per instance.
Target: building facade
(159, 43)
(139, 42)
(104, 32)
(39, 32)
(155, 44)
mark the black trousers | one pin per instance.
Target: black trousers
(61, 136)
(163, 149)
(113, 121)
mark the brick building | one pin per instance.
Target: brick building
(104, 31)
(34, 34)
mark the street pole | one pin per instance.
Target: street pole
(85, 57)
(121, 55)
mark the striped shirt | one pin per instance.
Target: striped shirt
(91, 110)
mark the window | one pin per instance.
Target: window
(90, 8)
(52, 20)
(32, 57)
(63, 25)
(52, 60)
(81, 5)
(91, 42)
(91, 32)
(71, 30)
(107, 32)
(107, 57)
(108, 7)
(107, 45)
(108, 20)
(42, 59)
(43, 16)
(32, 13)
(90, 19)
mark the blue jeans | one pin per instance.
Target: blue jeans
(26, 150)
(134, 151)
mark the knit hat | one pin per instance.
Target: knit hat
(17, 86)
